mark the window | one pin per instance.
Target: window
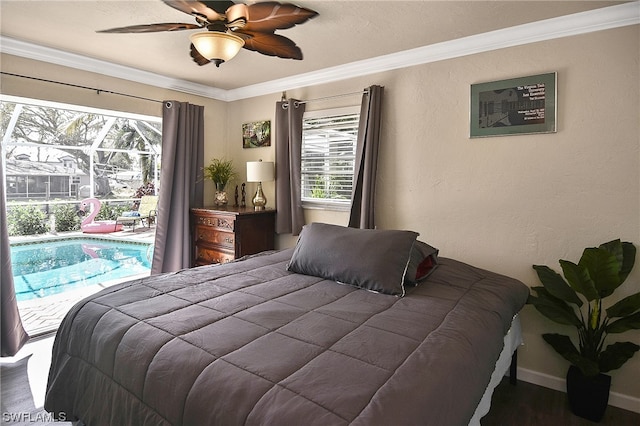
(328, 154)
(62, 152)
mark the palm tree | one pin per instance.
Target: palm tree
(139, 136)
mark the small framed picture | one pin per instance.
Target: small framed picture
(515, 106)
(256, 134)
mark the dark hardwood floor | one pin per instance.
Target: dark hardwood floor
(529, 405)
(23, 381)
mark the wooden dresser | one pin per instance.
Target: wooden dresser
(222, 234)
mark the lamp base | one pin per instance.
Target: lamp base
(259, 200)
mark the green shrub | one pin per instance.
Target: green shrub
(66, 218)
(110, 211)
(26, 220)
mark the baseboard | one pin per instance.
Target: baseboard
(616, 399)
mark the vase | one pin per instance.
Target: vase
(221, 195)
(588, 395)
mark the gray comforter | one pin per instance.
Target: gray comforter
(250, 343)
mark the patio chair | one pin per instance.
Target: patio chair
(147, 211)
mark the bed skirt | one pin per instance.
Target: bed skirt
(512, 340)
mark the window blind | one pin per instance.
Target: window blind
(328, 155)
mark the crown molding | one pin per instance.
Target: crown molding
(24, 49)
(564, 26)
(548, 29)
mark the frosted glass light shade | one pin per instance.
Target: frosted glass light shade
(216, 45)
(259, 171)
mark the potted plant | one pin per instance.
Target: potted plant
(598, 273)
(220, 171)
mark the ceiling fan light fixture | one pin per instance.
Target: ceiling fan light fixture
(217, 46)
(227, 30)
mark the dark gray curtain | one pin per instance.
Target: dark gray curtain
(181, 184)
(366, 163)
(288, 140)
(13, 334)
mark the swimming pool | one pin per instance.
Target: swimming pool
(47, 268)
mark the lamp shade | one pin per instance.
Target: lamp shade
(259, 171)
(216, 45)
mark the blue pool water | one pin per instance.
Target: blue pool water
(52, 267)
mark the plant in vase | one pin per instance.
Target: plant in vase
(599, 272)
(220, 171)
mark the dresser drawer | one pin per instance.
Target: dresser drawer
(212, 235)
(220, 222)
(222, 234)
(207, 256)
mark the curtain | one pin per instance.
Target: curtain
(288, 140)
(366, 163)
(181, 184)
(13, 334)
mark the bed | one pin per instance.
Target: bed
(323, 333)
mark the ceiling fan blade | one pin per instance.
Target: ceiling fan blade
(237, 16)
(270, 16)
(202, 10)
(152, 28)
(219, 6)
(270, 44)
(197, 57)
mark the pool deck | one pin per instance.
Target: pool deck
(41, 316)
(141, 235)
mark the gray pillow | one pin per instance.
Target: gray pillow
(372, 259)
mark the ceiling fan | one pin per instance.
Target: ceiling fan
(231, 26)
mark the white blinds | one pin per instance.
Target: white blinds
(328, 153)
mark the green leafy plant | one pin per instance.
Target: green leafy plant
(66, 218)
(26, 220)
(220, 171)
(110, 211)
(599, 272)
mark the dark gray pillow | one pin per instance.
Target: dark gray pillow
(372, 259)
(424, 259)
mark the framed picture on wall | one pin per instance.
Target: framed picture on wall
(256, 134)
(515, 106)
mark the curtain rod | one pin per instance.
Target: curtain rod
(98, 91)
(284, 97)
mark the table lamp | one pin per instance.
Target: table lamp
(259, 171)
